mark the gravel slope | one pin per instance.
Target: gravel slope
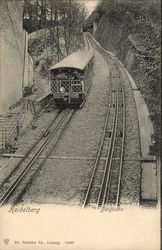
(130, 182)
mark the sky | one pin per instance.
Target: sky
(90, 5)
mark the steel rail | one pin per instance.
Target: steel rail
(88, 43)
(108, 164)
(121, 155)
(122, 151)
(32, 161)
(99, 151)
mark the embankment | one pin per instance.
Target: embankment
(135, 39)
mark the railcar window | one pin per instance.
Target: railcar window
(53, 76)
(61, 75)
(65, 73)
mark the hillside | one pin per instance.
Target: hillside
(44, 53)
(55, 31)
(132, 32)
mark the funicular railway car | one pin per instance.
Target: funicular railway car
(70, 78)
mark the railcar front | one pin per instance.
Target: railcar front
(67, 86)
(67, 79)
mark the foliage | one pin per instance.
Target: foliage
(64, 19)
(116, 10)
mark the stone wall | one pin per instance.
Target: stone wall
(135, 39)
(11, 53)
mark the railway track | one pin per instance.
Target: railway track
(88, 44)
(32, 147)
(16, 183)
(105, 181)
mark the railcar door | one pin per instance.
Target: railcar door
(65, 89)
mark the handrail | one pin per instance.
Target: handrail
(14, 121)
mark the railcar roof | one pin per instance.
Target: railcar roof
(77, 60)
